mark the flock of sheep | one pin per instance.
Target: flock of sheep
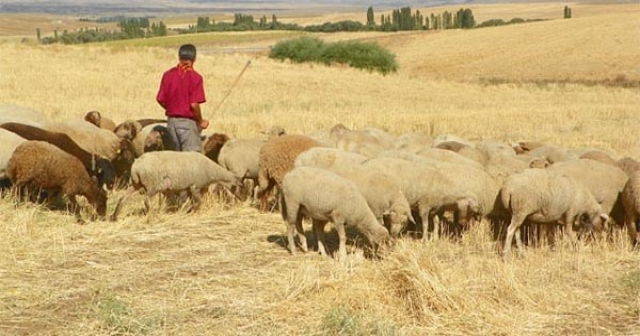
(382, 185)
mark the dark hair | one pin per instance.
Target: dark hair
(187, 52)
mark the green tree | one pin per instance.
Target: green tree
(567, 12)
(38, 34)
(371, 21)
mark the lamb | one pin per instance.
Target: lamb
(276, 159)
(96, 166)
(94, 140)
(544, 196)
(171, 172)
(631, 202)
(381, 190)
(605, 182)
(40, 164)
(22, 115)
(324, 196)
(97, 119)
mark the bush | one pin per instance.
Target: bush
(368, 56)
(303, 49)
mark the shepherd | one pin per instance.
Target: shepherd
(180, 95)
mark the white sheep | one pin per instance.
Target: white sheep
(381, 190)
(323, 157)
(242, 158)
(22, 115)
(9, 141)
(92, 139)
(432, 187)
(605, 182)
(544, 196)
(171, 172)
(324, 196)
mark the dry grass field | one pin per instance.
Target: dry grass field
(225, 269)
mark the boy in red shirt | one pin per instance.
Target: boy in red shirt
(181, 93)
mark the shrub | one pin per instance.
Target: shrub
(303, 49)
(369, 56)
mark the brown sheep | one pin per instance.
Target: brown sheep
(95, 166)
(42, 165)
(277, 158)
(523, 147)
(97, 119)
(211, 147)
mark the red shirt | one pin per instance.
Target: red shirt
(179, 89)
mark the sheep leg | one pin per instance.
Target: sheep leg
(195, 197)
(425, 215)
(265, 184)
(342, 238)
(300, 232)
(291, 215)
(75, 208)
(514, 226)
(632, 221)
(318, 230)
(569, 220)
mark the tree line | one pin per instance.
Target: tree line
(129, 28)
(398, 20)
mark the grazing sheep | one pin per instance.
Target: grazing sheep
(432, 187)
(553, 153)
(628, 165)
(97, 119)
(605, 182)
(323, 157)
(324, 196)
(384, 139)
(544, 196)
(22, 115)
(127, 129)
(277, 158)
(171, 172)
(491, 148)
(381, 190)
(274, 131)
(242, 158)
(444, 155)
(153, 137)
(96, 166)
(413, 142)
(94, 140)
(631, 202)
(39, 164)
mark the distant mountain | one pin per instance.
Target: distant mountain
(85, 7)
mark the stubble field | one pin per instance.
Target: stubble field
(225, 271)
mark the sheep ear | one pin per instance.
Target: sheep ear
(604, 217)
